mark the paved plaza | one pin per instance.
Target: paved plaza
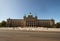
(17, 35)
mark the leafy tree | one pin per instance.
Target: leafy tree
(58, 25)
(0, 24)
(3, 24)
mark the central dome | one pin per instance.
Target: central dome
(30, 13)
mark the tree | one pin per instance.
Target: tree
(3, 24)
(58, 25)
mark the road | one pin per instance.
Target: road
(28, 36)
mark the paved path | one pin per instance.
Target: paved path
(29, 36)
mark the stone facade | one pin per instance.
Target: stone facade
(30, 21)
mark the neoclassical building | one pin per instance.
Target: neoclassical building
(30, 21)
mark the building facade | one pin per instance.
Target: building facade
(30, 21)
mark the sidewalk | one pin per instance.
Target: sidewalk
(31, 29)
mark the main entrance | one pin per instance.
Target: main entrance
(30, 24)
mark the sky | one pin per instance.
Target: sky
(43, 9)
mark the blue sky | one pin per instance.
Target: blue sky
(16, 9)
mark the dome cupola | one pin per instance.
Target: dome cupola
(30, 15)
